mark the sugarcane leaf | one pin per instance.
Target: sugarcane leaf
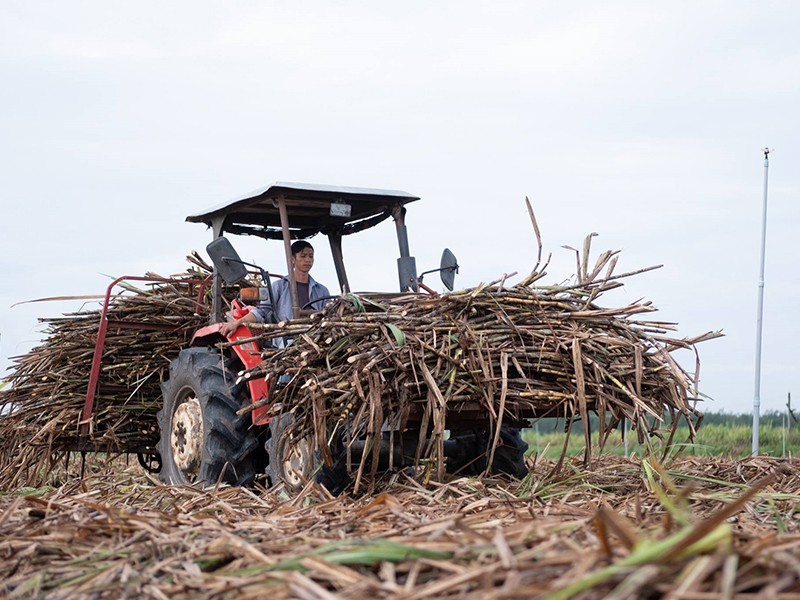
(356, 302)
(61, 299)
(398, 334)
(361, 552)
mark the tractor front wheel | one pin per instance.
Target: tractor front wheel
(293, 461)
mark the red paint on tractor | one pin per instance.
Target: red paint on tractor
(248, 352)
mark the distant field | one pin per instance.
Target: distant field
(729, 440)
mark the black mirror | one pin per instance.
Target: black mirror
(448, 267)
(226, 260)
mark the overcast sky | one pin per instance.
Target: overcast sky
(642, 122)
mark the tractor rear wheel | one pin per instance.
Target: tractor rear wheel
(203, 441)
(509, 455)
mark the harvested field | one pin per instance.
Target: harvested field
(698, 529)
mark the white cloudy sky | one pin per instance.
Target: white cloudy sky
(642, 122)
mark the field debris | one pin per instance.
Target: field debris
(699, 528)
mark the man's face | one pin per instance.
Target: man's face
(304, 260)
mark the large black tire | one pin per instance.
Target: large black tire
(509, 455)
(203, 441)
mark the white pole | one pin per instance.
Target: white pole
(757, 399)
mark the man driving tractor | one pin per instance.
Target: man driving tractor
(310, 293)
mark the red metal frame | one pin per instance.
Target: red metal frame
(250, 355)
(94, 374)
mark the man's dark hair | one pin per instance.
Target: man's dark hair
(299, 246)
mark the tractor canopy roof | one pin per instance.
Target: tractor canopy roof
(310, 208)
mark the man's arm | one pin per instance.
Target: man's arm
(263, 313)
(228, 328)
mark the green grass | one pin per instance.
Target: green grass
(725, 440)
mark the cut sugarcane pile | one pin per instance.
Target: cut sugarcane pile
(42, 411)
(501, 353)
(497, 354)
(704, 528)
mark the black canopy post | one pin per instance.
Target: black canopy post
(287, 246)
(335, 240)
(406, 264)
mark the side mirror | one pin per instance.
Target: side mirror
(448, 267)
(226, 260)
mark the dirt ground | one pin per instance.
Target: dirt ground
(620, 528)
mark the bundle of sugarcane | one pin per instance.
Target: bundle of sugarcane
(148, 324)
(487, 356)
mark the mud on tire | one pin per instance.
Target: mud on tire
(203, 441)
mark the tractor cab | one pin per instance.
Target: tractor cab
(291, 211)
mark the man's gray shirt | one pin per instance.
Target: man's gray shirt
(264, 313)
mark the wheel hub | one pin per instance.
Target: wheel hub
(186, 437)
(296, 461)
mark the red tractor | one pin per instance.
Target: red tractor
(202, 438)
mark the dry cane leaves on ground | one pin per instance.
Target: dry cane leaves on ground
(702, 528)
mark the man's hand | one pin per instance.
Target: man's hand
(228, 328)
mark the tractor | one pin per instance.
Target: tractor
(205, 437)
